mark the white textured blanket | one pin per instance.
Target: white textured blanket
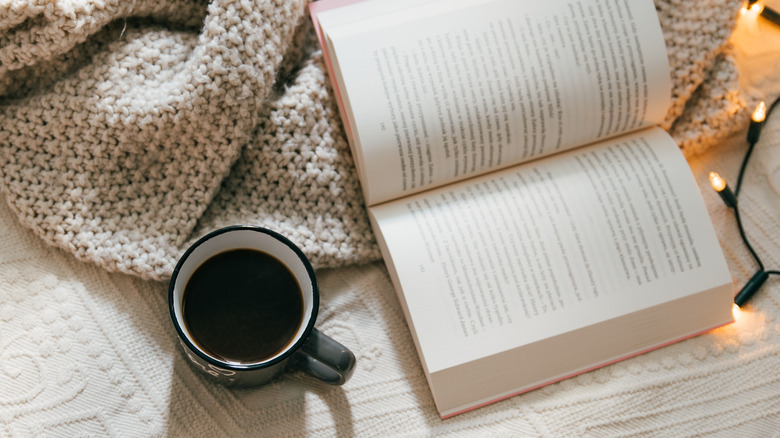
(87, 352)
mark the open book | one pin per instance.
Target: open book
(534, 221)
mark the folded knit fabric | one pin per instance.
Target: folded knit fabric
(129, 129)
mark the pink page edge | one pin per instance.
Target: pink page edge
(576, 373)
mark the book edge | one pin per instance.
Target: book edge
(453, 412)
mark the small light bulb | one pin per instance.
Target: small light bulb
(717, 182)
(759, 115)
(749, 13)
(736, 311)
(720, 186)
(757, 120)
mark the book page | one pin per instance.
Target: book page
(446, 90)
(549, 246)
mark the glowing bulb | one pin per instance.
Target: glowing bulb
(759, 115)
(725, 193)
(753, 7)
(749, 14)
(736, 312)
(717, 182)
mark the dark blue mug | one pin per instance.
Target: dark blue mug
(307, 348)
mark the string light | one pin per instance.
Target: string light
(723, 189)
(753, 9)
(736, 312)
(757, 121)
(759, 114)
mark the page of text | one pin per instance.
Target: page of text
(554, 244)
(478, 87)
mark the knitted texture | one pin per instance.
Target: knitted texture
(129, 129)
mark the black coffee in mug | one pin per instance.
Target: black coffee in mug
(243, 301)
(242, 306)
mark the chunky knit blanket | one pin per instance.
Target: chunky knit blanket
(130, 128)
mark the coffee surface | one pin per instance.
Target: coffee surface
(242, 306)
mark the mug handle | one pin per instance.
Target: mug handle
(324, 358)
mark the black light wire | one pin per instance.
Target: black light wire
(758, 279)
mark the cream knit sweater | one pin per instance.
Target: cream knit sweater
(130, 128)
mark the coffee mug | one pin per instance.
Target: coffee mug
(243, 301)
